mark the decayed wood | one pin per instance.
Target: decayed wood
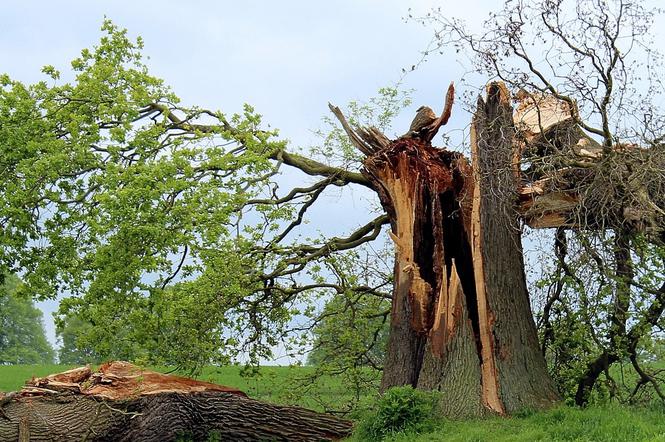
(412, 178)
(121, 402)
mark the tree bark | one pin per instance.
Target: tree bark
(164, 417)
(511, 357)
(147, 406)
(461, 320)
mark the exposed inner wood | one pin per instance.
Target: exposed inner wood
(459, 313)
(489, 380)
(119, 380)
(438, 250)
(402, 189)
(448, 311)
(557, 162)
(414, 180)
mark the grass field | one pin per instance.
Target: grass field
(12, 377)
(276, 384)
(596, 424)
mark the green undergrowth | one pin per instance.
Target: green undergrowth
(399, 410)
(595, 424)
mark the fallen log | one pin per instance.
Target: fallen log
(121, 402)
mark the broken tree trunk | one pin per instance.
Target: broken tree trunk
(482, 349)
(123, 403)
(461, 321)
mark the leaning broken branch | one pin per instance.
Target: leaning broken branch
(364, 143)
(315, 168)
(445, 115)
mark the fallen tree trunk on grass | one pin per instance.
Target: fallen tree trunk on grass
(121, 402)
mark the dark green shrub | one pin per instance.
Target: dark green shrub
(400, 409)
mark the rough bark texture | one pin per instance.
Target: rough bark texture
(514, 365)
(163, 417)
(162, 408)
(461, 320)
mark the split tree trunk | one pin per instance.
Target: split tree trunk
(461, 320)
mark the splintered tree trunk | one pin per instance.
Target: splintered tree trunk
(420, 187)
(461, 320)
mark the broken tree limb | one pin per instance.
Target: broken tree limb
(545, 123)
(567, 179)
(356, 139)
(121, 402)
(445, 115)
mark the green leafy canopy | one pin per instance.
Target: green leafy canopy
(161, 223)
(109, 188)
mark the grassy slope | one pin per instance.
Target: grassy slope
(612, 423)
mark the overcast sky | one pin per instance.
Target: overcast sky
(286, 58)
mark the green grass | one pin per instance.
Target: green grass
(595, 424)
(13, 377)
(277, 384)
(281, 385)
